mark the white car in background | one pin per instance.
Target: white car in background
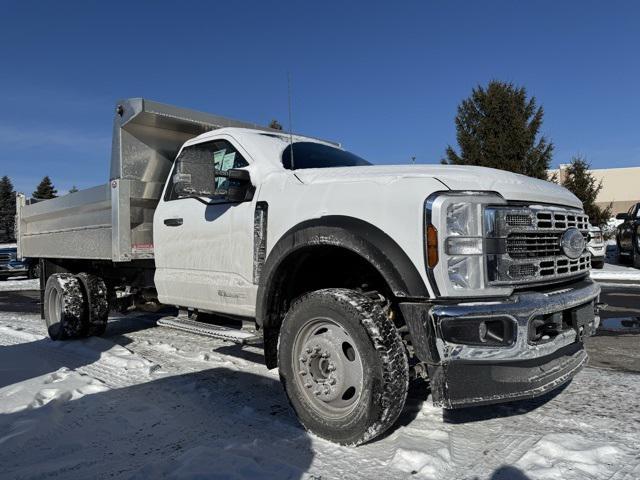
(596, 247)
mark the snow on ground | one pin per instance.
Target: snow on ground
(19, 283)
(615, 269)
(612, 272)
(150, 402)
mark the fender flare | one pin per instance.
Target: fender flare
(358, 236)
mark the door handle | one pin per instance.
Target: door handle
(173, 222)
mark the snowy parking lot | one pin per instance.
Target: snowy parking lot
(146, 402)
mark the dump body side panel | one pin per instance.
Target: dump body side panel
(78, 225)
(114, 221)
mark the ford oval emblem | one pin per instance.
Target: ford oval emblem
(572, 243)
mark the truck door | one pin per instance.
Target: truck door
(203, 243)
(634, 227)
(626, 229)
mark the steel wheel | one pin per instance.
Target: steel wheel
(55, 306)
(329, 367)
(328, 340)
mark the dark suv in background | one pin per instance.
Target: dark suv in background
(628, 234)
(10, 266)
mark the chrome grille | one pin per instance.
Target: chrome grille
(527, 244)
(518, 220)
(533, 244)
(5, 258)
(536, 244)
(558, 220)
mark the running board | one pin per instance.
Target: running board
(234, 335)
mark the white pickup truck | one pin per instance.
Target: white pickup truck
(357, 278)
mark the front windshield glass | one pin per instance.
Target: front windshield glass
(318, 155)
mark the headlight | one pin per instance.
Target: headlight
(595, 237)
(455, 243)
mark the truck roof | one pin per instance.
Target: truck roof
(276, 134)
(264, 146)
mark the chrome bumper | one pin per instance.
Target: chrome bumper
(474, 372)
(9, 271)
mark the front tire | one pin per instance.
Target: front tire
(64, 307)
(598, 264)
(343, 365)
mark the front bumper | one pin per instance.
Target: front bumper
(13, 270)
(597, 252)
(538, 346)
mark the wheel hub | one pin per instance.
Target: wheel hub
(330, 372)
(322, 369)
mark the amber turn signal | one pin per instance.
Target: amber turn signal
(432, 246)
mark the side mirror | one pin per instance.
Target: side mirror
(238, 184)
(622, 216)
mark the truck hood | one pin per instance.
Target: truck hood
(511, 186)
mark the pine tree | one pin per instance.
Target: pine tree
(498, 127)
(73, 189)
(7, 210)
(45, 190)
(581, 182)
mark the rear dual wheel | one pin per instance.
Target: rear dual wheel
(343, 365)
(75, 306)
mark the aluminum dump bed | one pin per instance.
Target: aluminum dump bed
(114, 221)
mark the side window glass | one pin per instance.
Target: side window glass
(225, 157)
(200, 170)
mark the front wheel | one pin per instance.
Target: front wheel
(343, 365)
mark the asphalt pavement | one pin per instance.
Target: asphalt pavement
(617, 342)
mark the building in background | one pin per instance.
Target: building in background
(620, 187)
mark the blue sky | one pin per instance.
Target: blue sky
(384, 78)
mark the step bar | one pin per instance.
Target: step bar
(241, 337)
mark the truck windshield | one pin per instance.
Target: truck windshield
(317, 155)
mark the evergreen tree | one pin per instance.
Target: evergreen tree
(45, 190)
(275, 125)
(7, 210)
(498, 127)
(73, 189)
(581, 182)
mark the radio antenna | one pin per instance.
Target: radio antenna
(290, 121)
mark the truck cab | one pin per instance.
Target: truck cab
(628, 234)
(358, 277)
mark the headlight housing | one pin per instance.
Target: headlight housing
(459, 269)
(596, 237)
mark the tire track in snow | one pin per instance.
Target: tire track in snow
(99, 363)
